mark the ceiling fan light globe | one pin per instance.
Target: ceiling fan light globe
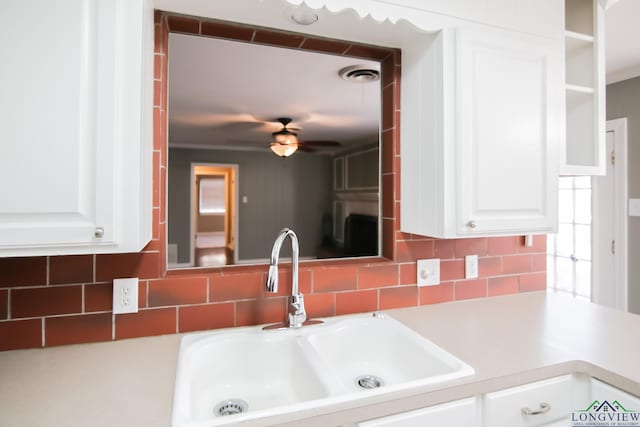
(283, 150)
(288, 138)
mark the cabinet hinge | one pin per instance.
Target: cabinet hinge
(613, 157)
(613, 247)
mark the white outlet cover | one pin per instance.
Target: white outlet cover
(471, 266)
(125, 295)
(634, 207)
(428, 271)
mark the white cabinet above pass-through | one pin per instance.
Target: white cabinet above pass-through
(481, 126)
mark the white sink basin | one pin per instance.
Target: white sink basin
(252, 373)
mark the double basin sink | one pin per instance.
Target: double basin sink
(239, 374)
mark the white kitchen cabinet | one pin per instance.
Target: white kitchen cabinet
(460, 413)
(76, 108)
(584, 151)
(548, 401)
(481, 126)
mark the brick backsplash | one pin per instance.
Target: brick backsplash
(47, 301)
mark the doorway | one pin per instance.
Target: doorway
(587, 258)
(610, 222)
(213, 214)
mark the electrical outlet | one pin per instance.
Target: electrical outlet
(428, 272)
(125, 295)
(471, 266)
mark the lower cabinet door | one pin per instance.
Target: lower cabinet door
(543, 403)
(460, 413)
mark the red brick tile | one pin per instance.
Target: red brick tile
(396, 170)
(235, 286)
(466, 247)
(388, 70)
(284, 282)
(512, 264)
(202, 317)
(144, 265)
(540, 262)
(227, 31)
(77, 329)
(98, 297)
(46, 301)
(405, 296)
(335, 279)
(368, 52)
(263, 310)
(408, 274)
(144, 323)
(157, 15)
(163, 194)
(70, 269)
(278, 39)
(323, 45)
(533, 282)
(356, 302)
(467, 289)
(502, 245)
(320, 305)
(157, 93)
(539, 244)
(20, 334)
(4, 304)
(377, 276)
(489, 266)
(28, 271)
(157, 66)
(177, 291)
(183, 25)
(451, 270)
(388, 114)
(436, 294)
(409, 251)
(159, 45)
(156, 180)
(388, 243)
(444, 248)
(387, 196)
(157, 133)
(503, 285)
(388, 156)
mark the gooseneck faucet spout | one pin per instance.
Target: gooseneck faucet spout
(297, 313)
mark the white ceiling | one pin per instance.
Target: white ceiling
(622, 40)
(226, 94)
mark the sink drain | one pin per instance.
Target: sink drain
(230, 407)
(368, 382)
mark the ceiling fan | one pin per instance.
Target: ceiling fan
(285, 141)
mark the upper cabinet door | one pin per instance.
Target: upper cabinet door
(75, 134)
(509, 123)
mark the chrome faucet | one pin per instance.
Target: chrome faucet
(297, 313)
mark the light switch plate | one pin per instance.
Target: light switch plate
(428, 272)
(125, 295)
(471, 266)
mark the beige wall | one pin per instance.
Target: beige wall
(623, 100)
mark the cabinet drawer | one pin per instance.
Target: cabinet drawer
(505, 408)
(461, 413)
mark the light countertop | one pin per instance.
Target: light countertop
(508, 340)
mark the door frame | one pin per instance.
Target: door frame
(620, 273)
(193, 211)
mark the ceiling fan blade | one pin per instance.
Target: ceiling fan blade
(306, 149)
(321, 143)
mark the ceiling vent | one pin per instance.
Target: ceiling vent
(360, 73)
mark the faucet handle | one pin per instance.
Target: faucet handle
(297, 313)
